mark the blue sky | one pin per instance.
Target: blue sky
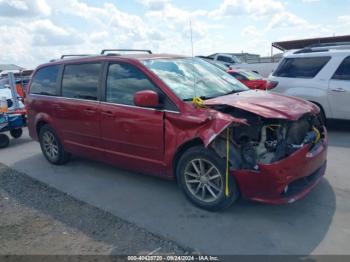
(35, 31)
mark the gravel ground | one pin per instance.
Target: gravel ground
(37, 219)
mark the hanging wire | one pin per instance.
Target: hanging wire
(192, 52)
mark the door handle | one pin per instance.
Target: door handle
(339, 89)
(107, 113)
(89, 111)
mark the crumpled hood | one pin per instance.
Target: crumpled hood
(266, 104)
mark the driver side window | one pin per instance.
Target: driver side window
(123, 81)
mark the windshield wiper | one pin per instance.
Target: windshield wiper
(233, 92)
(201, 97)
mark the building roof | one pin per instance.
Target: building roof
(301, 43)
(9, 67)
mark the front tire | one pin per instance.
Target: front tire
(201, 176)
(51, 146)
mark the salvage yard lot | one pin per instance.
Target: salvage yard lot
(318, 224)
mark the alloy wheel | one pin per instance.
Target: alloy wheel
(203, 180)
(50, 145)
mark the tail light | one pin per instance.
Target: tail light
(271, 84)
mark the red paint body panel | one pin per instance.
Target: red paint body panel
(266, 104)
(133, 137)
(147, 139)
(267, 184)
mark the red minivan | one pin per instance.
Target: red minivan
(137, 111)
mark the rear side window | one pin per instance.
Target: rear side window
(303, 67)
(81, 81)
(343, 71)
(44, 81)
(225, 59)
(123, 81)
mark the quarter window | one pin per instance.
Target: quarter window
(123, 81)
(225, 59)
(44, 81)
(343, 71)
(81, 81)
(303, 67)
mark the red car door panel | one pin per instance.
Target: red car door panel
(133, 137)
(79, 122)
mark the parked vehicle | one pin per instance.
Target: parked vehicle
(12, 113)
(224, 58)
(320, 74)
(248, 78)
(264, 67)
(136, 111)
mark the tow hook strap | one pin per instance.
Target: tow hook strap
(318, 134)
(227, 161)
(198, 102)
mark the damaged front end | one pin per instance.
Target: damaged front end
(267, 156)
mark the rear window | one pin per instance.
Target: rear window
(81, 81)
(343, 71)
(303, 67)
(44, 81)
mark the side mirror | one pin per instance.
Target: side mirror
(146, 98)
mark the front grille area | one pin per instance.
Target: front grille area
(301, 184)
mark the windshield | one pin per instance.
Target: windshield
(190, 77)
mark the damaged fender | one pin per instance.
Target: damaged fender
(205, 126)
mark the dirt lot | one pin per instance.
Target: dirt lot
(37, 219)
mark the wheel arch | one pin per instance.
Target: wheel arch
(39, 125)
(321, 108)
(181, 149)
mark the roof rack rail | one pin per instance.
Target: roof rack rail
(330, 44)
(104, 51)
(75, 55)
(324, 47)
(310, 50)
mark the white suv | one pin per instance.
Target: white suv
(318, 74)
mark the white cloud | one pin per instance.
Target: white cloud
(286, 20)
(40, 30)
(155, 5)
(344, 19)
(253, 8)
(251, 30)
(24, 8)
(45, 33)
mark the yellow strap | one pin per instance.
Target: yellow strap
(197, 101)
(227, 161)
(318, 134)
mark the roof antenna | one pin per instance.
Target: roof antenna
(194, 80)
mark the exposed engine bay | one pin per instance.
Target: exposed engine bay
(265, 140)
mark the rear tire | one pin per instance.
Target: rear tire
(16, 133)
(4, 141)
(51, 146)
(201, 176)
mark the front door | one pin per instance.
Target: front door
(339, 91)
(133, 136)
